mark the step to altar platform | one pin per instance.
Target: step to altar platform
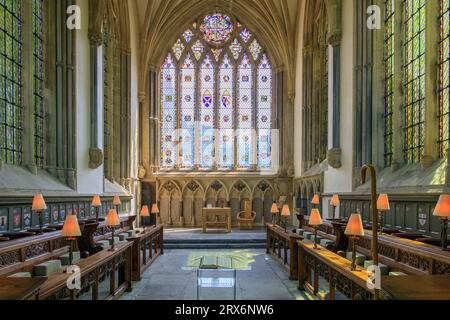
(193, 238)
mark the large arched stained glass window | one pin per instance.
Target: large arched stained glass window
(216, 99)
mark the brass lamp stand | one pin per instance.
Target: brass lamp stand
(442, 211)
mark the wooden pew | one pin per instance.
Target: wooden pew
(283, 247)
(104, 276)
(146, 248)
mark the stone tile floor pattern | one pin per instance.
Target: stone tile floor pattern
(169, 279)
(186, 234)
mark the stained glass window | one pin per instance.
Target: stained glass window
(226, 115)
(169, 114)
(264, 113)
(11, 81)
(207, 112)
(389, 51)
(217, 28)
(444, 83)
(38, 59)
(414, 69)
(187, 108)
(245, 114)
(216, 100)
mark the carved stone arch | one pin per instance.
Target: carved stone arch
(170, 186)
(193, 186)
(216, 185)
(264, 186)
(241, 185)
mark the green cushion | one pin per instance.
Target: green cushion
(21, 275)
(47, 268)
(397, 274)
(326, 242)
(319, 238)
(131, 233)
(307, 235)
(300, 232)
(116, 240)
(104, 244)
(123, 236)
(360, 259)
(65, 258)
(384, 269)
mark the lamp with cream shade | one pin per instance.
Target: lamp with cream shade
(442, 211)
(112, 221)
(335, 202)
(315, 200)
(274, 211)
(382, 206)
(71, 230)
(39, 206)
(96, 203)
(354, 230)
(285, 213)
(315, 221)
(155, 212)
(145, 213)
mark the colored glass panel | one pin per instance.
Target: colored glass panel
(178, 49)
(389, 56)
(38, 77)
(236, 49)
(444, 81)
(414, 69)
(245, 113)
(198, 49)
(255, 49)
(226, 115)
(187, 113)
(217, 28)
(207, 114)
(11, 81)
(169, 114)
(264, 113)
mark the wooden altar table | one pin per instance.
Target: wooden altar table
(216, 212)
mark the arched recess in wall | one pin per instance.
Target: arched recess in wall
(263, 198)
(315, 84)
(193, 203)
(109, 28)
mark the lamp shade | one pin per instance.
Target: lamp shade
(155, 209)
(316, 200)
(71, 227)
(355, 226)
(38, 203)
(112, 220)
(116, 201)
(274, 209)
(145, 212)
(285, 212)
(96, 201)
(335, 201)
(442, 208)
(383, 203)
(315, 219)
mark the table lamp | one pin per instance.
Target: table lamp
(145, 213)
(112, 221)
(315, 200)
(285, 213)
(354, 230)
(382, 207)
(70, 231)
(39, 207)
(335, 202)
(155, 212)
(315, 221)
(274, 212)
(442, 211)
(96, 203)
(116, 202)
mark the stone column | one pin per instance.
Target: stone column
(431, 150)
(334, 9)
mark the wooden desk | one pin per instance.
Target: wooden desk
(333, 268)
(20, 288)
(416, 287)
(224, 212)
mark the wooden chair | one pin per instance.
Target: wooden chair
(247, 217)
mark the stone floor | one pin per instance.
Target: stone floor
(213, 234)
(259, 278)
